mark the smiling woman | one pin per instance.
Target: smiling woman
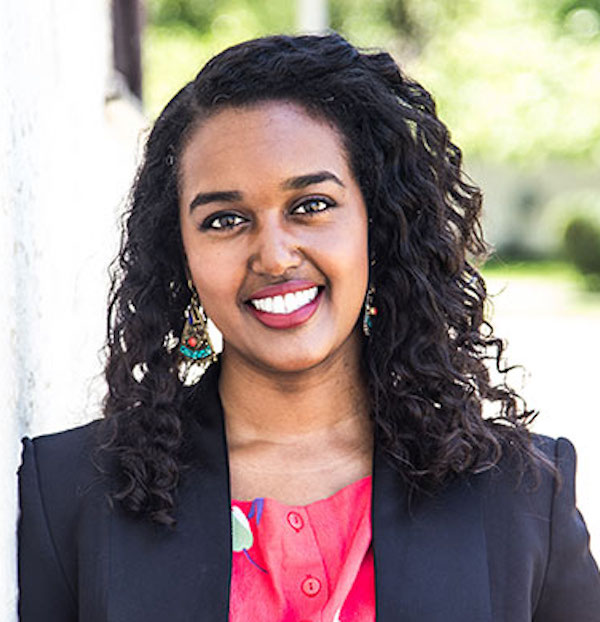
(274, 209)
(333, 462)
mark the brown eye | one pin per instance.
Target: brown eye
(223, 221)
(313, 206)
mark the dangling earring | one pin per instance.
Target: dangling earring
(369, 312)
(195, 343)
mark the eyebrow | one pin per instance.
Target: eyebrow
(297, 183)
(228, 196)
(293, 183)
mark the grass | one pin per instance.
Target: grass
(555, 270)
(554, 286)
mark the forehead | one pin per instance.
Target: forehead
(274, 138)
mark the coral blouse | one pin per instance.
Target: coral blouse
(305, 563)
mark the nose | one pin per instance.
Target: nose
(275, 251)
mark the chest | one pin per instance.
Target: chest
(295, 477)
(444, 562)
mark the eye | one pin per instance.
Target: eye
(313, 205)
(223, 221)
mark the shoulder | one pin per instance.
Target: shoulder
(536, 536)
(58, 471)
(61, 493)
(60, 478)
(56, 459)
(68, 443)
(539, 471)
(519, 493)
(560, 450)
(517, 497)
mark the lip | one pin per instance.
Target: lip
(286, 320)
(281, 289)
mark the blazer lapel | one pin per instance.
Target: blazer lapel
(430, 561)
(160, 575)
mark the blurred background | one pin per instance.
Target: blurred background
(517, 82)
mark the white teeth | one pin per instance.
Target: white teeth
(278, 305)
(289, 303)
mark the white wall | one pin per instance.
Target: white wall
(65, 167)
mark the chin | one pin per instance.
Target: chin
(294, 357)
(295, 362)
(293, 365)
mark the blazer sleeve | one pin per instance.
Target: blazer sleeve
(45, 594)
(571, 588)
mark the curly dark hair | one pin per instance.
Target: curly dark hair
(426, 360)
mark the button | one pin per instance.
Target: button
(311, 586)
(295, 521)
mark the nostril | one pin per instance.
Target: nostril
(275, 263)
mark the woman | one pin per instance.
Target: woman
(333, 462)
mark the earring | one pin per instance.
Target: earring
(369, 312)
(195, 343)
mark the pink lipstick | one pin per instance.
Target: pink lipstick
(285, 305)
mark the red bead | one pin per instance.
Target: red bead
(192, 342)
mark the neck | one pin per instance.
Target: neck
(267, 405)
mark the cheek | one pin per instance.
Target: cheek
(349, 257)
(214, 279)
(212, 272)
(357, 247)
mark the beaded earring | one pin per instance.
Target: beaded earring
(369, 312)
(195, 344)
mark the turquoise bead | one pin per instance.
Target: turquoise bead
(195, 354)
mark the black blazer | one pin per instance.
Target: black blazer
(481, 550)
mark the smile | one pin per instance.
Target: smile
(288, 303)
(289, 307)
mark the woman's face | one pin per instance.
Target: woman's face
(274, 229)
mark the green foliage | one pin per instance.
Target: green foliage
(516, 81)
(581, 237)
(182, 35)
(566, 8)
(200, 15)
(514, 86)
(197, 14)
(172, 55)
(503, 268)
(569, 205)
(401, 25)
(582, 243)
